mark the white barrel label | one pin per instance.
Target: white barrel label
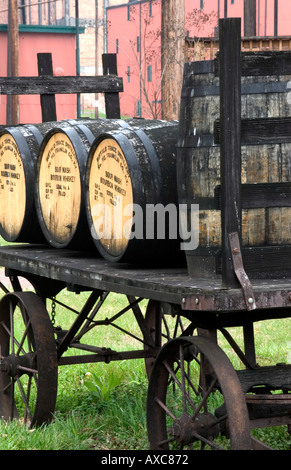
(59, 188)
(110, 197)
(12, 187)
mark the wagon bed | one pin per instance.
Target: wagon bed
(79, 270)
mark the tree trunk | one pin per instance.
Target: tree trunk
(173, 56)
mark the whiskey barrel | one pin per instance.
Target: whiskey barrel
(18, 153)
(60, 185)
(130, 185)
(198, 162)
(19, 147)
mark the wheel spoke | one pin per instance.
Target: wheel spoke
(28, 369)
(11, 311)
(165, 408)
(205, 441)
(24, 336)
(183, 388)
(12, 401)
(177, 382)
(25, 398)
(205, 397)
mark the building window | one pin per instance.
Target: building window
(150, 9)
(149, 73)
(128, 74)
(232, 2)
(137, 44)
(117, 46)
(138, 108)
(201, 4)
(128, 13)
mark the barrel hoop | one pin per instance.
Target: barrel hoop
(261, 131)
(34, 130)
(151, 152)
(254, 196)
(123, 123)
(87, 133)
(199, 67)
(246, 89)
(252, 64)
(193, 141)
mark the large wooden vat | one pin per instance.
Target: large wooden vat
(198, 161)
(131, 172)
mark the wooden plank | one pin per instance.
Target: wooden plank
(230, 119)
(261, 131)
(112, 104)
(48, 102)
(60, 85)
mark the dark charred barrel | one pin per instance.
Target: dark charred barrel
(198, 163)
(131, 193)
(60, 182)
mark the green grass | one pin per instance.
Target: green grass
(102, 406)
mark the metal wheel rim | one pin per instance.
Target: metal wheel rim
(28, 369)
(169, 428)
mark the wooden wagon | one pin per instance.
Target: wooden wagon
(189, 368)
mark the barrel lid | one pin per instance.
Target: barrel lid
(110, 198)
(59, 187)
(12, 187)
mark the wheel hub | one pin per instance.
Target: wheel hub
(13, 365)
(186, 429)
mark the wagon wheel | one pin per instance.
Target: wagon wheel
(162, 328)
(182, 404)
(28, 367)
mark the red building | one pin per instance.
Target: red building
(133, 32)
(61, 43)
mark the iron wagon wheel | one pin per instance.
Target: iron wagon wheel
(194, 398)
(28, 367)
(163, 328)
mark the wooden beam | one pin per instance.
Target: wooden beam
(112, 104)
(48, 102)
(60, 85)
(230, 144)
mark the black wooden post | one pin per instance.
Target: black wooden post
(48, 102)
(112, 105)
(230, 143)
